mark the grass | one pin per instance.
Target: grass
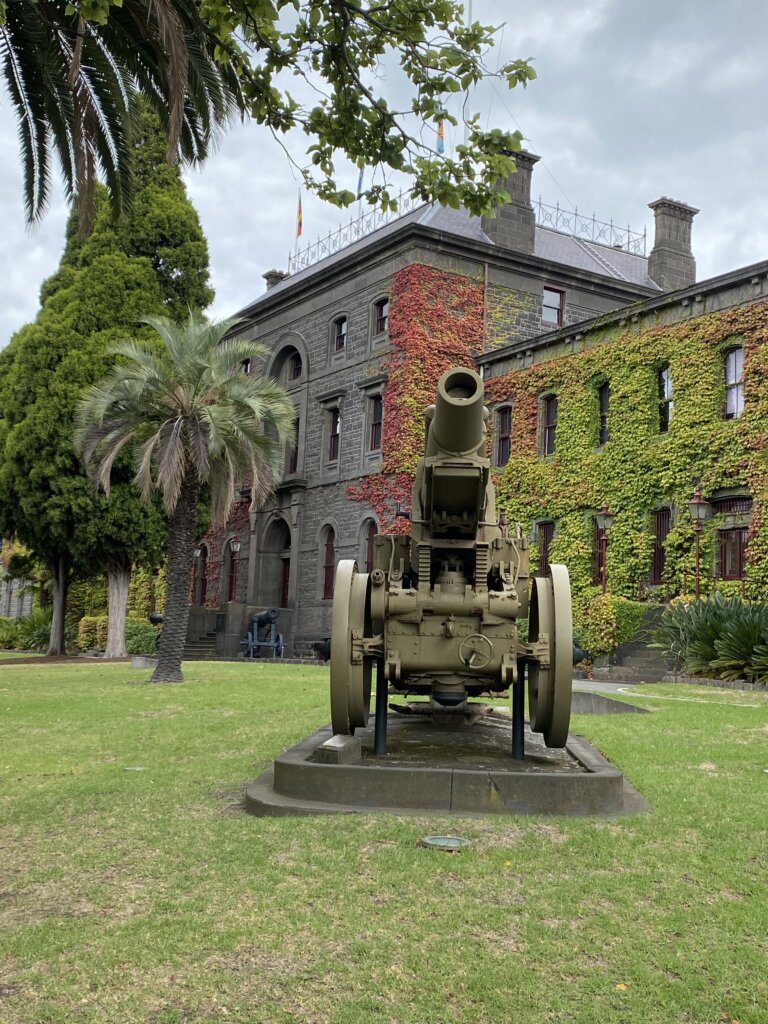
(4, 655)
(133, 888)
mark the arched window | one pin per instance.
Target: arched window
(201, 572)
(371, 532)
(329, 563)
(604, 398)
(294, 366)
(734, 383)
(503, 434)
(666, 398)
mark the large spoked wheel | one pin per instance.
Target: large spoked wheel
(350, 673)
(549, 685)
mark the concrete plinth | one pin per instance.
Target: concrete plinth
(433, 768)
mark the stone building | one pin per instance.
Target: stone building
(546, 277)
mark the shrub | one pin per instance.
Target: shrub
(610, 621)
(140, 636)
(92, 632)
(726, 638)
(34, 631)
(9, 634)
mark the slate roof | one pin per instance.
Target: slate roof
(548, 244)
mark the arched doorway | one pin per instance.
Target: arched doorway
(276, 565)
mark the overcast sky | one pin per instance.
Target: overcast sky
(633, 101)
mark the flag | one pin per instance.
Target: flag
(441, 136)
(299, 221)
(360, 182)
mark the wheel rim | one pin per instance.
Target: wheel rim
(359, 676)
(341, 647)
(549, 687)
(557, 733)
(539, 676)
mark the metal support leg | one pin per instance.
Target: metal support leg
(518, 716)
(380, 724)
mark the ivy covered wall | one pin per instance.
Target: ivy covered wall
(438, 320)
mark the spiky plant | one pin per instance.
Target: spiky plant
(192, 419)
(73, 82)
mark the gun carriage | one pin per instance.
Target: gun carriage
(439, 614)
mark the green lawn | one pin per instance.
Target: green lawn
(132, 895)
(5, 655)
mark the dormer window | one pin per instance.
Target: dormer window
(340, 334)
(553, 306)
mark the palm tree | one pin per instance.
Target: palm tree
(193, 419)
(73, 83)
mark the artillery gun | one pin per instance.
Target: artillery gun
(438, 614)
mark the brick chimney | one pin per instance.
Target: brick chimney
(273, 277)
(514, 225)
(671, 264)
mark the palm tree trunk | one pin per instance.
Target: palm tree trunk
(118, 582)
(60, 574)
(182, 533)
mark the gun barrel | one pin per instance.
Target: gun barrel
(458, 425)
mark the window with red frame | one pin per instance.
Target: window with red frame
(376, 407)
(662, 519)
(503, 435)
(546, 536)
(334, 435)
(733, 553)
(552, 306)
(329, 564)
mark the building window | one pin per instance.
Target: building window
(598, 553)
(376, 415)
(292, 462)
(604, 396)
(201, 576)
(245, 366)
(503, 434)
(370, 533)
(294, 366)
(329, 563)
(666, 398)
(380, 316)
(733, 550)
(334, 434)
(546, 533)
(662, 519)
(230, 560)
(548, 425)
(734, 383)
(340, 334)
(552, 307)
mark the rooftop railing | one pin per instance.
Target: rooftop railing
(569, 222)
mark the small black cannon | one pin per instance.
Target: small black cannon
(263, 634)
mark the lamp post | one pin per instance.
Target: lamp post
(699, 509)
(604, 520)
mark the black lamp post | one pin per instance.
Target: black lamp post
(604, 520)
(699, 509)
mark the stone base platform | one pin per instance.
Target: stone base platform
(435, 767)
